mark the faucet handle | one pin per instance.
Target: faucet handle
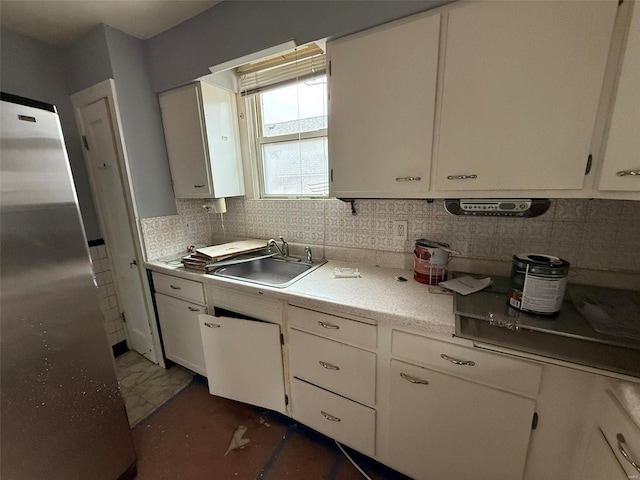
(309, 254)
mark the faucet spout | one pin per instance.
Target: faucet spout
(273, 243)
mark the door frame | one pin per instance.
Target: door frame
(107, 90)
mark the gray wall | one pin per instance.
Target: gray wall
(235, 28)
(142, 125)
(37, 70)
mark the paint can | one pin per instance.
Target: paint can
(537, 283)
(430, 261)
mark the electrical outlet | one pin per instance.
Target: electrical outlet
(399, 230)
(192, 227)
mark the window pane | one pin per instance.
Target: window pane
(296, 167)
(301, 107)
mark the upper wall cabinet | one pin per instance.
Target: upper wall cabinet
(201, 133)
(382, 89)
(621, 163)
(520, 93)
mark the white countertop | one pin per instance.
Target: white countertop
(375, 295)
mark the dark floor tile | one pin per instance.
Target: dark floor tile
(189, 437)
(302, 458)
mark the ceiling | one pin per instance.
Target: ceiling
(62, 22)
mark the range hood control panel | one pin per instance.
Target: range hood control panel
(504, 207)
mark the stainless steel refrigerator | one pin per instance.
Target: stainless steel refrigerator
(62, 415)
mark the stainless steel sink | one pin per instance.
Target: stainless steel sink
(268, 271)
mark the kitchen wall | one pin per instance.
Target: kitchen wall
(595, 234)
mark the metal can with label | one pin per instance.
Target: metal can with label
(537, 283)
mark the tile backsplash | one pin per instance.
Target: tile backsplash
(596, 234)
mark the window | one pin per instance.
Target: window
(287, 109)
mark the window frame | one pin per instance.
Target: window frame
(256, 139)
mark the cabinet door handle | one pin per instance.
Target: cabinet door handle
(211, 325)
(330, 326)
(417, 381)
(329, 417)
(624, 173)
(175, 288)
(625, 454)
(194, 309)
(462, 177)
(199, 186)
(458, 362)
(328, 366)
(408, 179)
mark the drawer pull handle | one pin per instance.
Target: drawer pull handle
(328, 366)
(330, 326)
(415, 380)
(211, 325)
(624, 173)
(329, 417)
(175, 288)
(199, 186)
(408, 179)
(194, 309)
(458, 362)
(462, 177)
(625, 454)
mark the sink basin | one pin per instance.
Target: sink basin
(268, 271)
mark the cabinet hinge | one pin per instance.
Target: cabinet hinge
(286, 399)
(589, 162)
(124, 319)
(281, 339)
(84, 142)
(534, 422)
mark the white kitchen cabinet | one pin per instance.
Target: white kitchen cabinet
(614, 444)
(382, 88)
(521, 88)
(180, 330)
(179, 302)
(243, 347)
(244, 360)
(201, 134)
(442, 426)
(621, 162)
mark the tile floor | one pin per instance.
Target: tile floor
(146, 386)
(180, 431)
(188, 438)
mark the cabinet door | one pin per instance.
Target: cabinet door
(601, 463)
(244, 360)
(185, 136)
(521, 89)
(453, 428)
(621, 167)
(181, 331)
(381, 110)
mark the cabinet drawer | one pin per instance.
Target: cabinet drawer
(331, 326)
(615, 421)
(498, 370)
(253, 305)
(180, 329)
(179, 287)
(346, 421)
(340, 368)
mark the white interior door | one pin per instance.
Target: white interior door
(115, 222)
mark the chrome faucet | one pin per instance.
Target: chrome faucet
(309, 255)
(283, 250)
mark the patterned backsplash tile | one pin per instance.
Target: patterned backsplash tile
(598, 234)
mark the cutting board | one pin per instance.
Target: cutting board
(226, 250)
